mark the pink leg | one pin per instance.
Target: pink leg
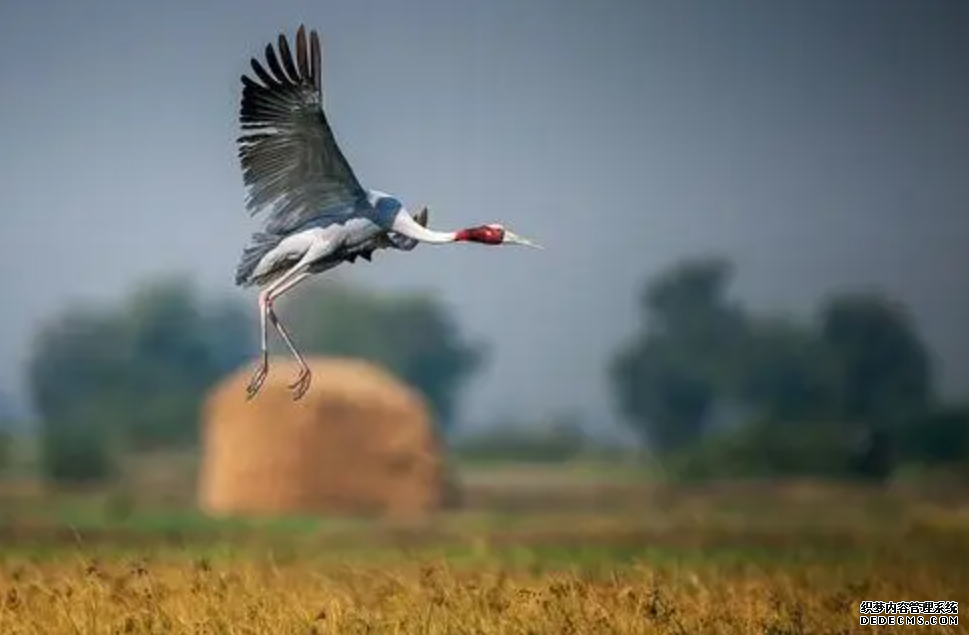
(285, 282)
(302, 383)
(262, 370)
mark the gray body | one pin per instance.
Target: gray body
(357, 233)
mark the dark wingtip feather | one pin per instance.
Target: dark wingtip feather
(301, 54)
(286, 57)
(249, 84)
(261, 73)
(274, 66)
(315, 56)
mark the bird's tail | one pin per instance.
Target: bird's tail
(259, 245)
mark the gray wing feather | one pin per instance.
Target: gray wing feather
(291, 162)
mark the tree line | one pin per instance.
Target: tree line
(711, 387)
(131, 377)
(718, 389)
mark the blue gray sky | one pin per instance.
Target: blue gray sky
(823, 144)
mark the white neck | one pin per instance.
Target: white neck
(405, 225)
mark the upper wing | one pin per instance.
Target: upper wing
(291, 162)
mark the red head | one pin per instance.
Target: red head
(492, 234)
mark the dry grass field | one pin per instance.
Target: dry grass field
(550, 558)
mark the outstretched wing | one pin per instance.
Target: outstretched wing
(291, 162)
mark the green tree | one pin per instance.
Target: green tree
(177, 347)
(885, 367)
(667, 402)
(6, 410)
(668, 378)
(858, 371)
(937, 437)
(6, 449)
(784, 374)
(762, 449)
(412, 334)
(130, 376)
(72, 357)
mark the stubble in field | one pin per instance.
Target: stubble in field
(180, 596)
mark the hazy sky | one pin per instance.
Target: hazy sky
(822, 144)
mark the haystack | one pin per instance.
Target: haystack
(359, 442)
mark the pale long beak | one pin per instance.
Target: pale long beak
(515, 239)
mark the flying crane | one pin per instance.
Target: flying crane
(317, 214)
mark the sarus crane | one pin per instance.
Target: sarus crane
(318, 214)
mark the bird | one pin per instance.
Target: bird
(317, 214)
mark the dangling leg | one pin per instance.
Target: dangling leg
(266, 297)
(296, 274)
(302, 383)
(259, 376)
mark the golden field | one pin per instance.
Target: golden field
(532, 556)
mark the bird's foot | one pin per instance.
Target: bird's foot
(302, 383)
(258, 377)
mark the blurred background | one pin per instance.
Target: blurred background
(754, 213)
